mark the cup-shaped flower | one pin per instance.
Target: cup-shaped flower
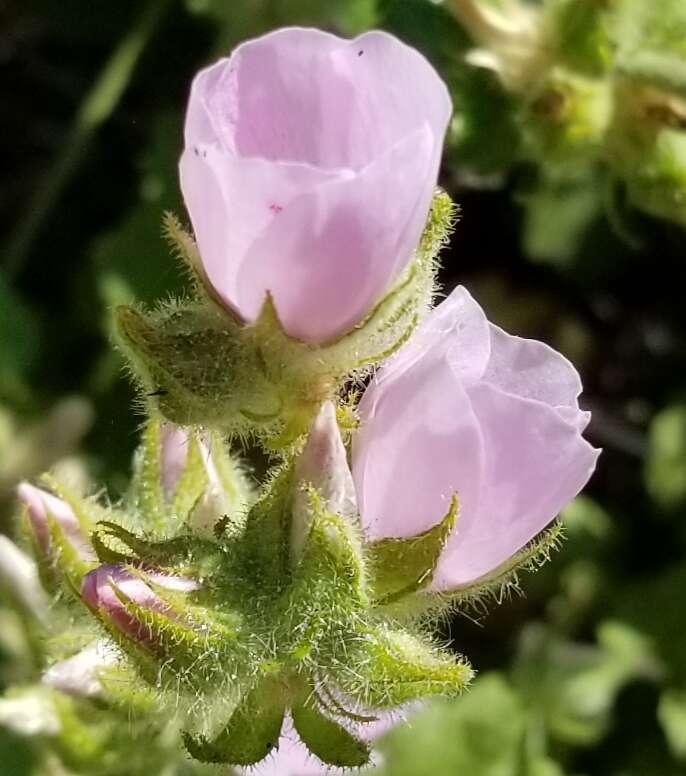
(465, 408)
(308, 172)
(41, 507)
(108, 589)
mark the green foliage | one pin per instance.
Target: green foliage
(665, 471)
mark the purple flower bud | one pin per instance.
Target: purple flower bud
(466, 408)
(100, 588)
(309, 169)
(39, 506)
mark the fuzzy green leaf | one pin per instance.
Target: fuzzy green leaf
(252, 732)
(402, 566)
(328, 740)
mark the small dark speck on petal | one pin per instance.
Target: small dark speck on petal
(360, 52)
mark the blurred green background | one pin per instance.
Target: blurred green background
(571, 231)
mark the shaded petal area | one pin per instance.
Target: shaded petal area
(232, 201)
(420, 446)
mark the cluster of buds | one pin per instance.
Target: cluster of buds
(289, 619)
(594, 85)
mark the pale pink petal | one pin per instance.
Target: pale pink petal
(200, 127)
(303, 95)
(19, 574)
(468, 409)
(419, 446)
(333, 252)
(174, 442)
(457, 326)
(531, 369)
(534, 464)
(232, 201)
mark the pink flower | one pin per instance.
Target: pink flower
(308, 172)
(100, 589)
(39, 505)
(466, 408)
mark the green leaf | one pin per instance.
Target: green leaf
(672, 715)
(558, 214)
(574, 686)
(328, 740)
(388, 668)
(402, 566)
(665, 470)
(583, 34)
(131, 261)
(252, 732)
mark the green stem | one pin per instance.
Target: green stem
(95, 109)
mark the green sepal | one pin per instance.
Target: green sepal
(332, 563)
(327, 594)
(399, 567)
(179, 554)
(171, 635)
(252, 732)
(145, 492)
(268, 526)
(328, 740)
(388, 668)
(496, 584)
(65, 558)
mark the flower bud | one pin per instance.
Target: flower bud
(308, 173)
(466, 409)
(108, 588)
(41, 507)
(323, 464)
